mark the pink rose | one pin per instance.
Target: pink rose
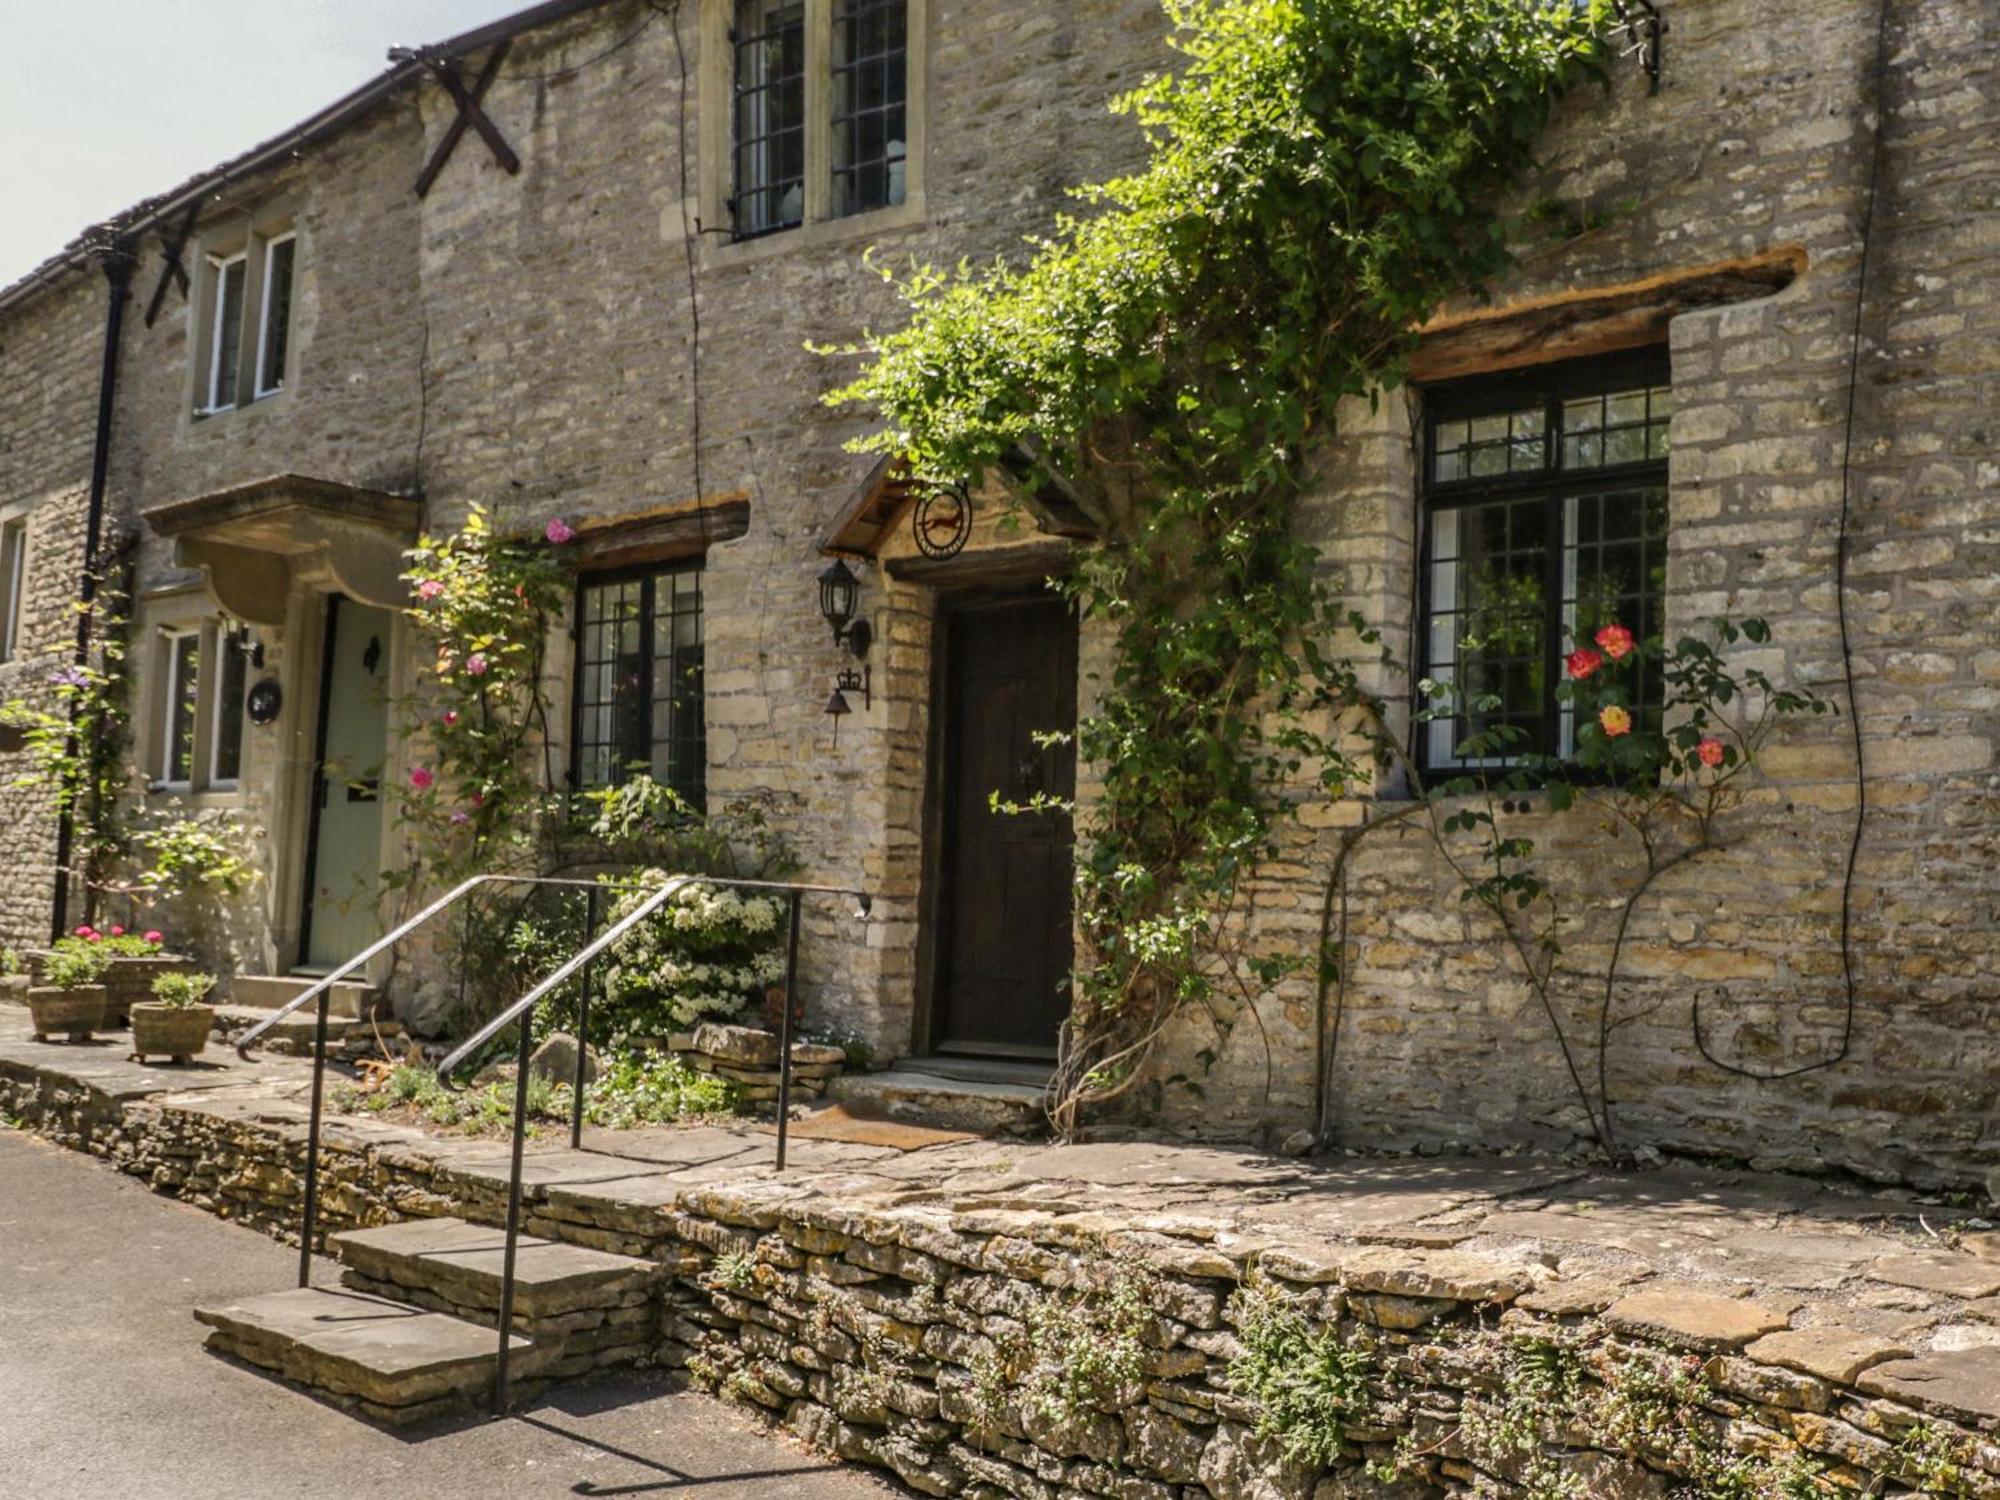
(118, 932)
(559, 532)
(422, 779)
(1614, 721)
(86, 931)
(95, 937)
(155, 936)
(1709, 752)
(450, 717)
(430, 588)
(1616, 641)
(475, 664)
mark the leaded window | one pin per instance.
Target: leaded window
(769, 39)
(870, 96)
(639, 705)
(1546, 519)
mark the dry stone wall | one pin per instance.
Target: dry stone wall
(992, 1351)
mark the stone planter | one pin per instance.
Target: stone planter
(176, 1031)
(76, 1012)
(748, 1058)
(129, 980)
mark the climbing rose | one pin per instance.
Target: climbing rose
(422, 779)
(430, 588)
(1616, 641)
(1710, 751)
(461, 816)
(475, 665)
(559, 531)
(155, 936)
(1615, 721)
(450, 717)
(1583, 662)
(118, 932)
(86, 931)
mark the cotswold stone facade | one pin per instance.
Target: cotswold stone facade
(583, 339)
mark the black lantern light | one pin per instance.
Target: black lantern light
(839, 590)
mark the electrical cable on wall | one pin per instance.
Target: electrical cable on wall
(1840, 599)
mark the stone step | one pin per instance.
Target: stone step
(293, 1034)
(356, 1002)
(396, 1364)
(559, 1289)
(917, 1097)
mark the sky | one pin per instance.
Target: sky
(105, 102)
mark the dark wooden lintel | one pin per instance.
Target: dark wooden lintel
(1027, 562)
(623, 544)
(1593, 320)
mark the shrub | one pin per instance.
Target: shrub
(655, 1088)
(73, 963)
(182, 991)
(709, 953)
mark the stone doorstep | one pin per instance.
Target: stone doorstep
(403, 1364)
(462, 1264)
(297, 1029)
(920, 1098)
(353, 1002)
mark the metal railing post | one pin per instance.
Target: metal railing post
(513, 1214)
(578, 1082)
(312, 1142)
(785, 1027)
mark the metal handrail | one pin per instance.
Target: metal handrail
(520, 1015)
(323, 989)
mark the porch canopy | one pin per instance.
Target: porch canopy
(254, 541)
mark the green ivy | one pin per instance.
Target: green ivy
(1320, 175)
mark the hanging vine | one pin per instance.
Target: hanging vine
(1321, 174)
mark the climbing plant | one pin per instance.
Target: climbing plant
(1319, 175)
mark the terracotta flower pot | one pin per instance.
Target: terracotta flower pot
(77, 1012)
(176, 1031)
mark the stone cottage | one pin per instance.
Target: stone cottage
(568, 266)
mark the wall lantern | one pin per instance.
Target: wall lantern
(839, 591)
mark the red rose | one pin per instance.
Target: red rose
(1616, 641)
(1583, 662)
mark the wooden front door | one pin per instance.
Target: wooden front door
(1004, 898)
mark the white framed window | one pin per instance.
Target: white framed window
(181, 658)
(225, 723)
(229, 275)
(274, 316)
(13, 585)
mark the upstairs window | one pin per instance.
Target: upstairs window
(770, 41)
(1545, 519)
(639, 687)
(13, 586)
(821, 108)
(244, 316)
(870, 104)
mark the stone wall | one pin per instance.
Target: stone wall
(993, 1351)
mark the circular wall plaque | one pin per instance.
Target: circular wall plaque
(265, 699)
(942, 522)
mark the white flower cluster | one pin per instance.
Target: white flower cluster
(704, 907)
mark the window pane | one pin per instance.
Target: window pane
(1486, 447)
(870, 85)
(276, 333)
(13, 580)
(770, 124)
(228, 333)
(1488, 628)
(1617, 575)
(228, 764)
(184, 662)
(1620, 427)
(639, 683)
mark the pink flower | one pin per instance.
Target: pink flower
(479, 799)
(86, 931)
(1583, 662)
(95, 937)
(1614, 721)
(461, 816)
(430, 588)
(450, 717)
(475, 664)
(118, 932)
(422, 779)
(155, 936)
(1709, 752)
(1616, 641)
(558, 532)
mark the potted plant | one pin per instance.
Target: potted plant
(175, 1023)
(71, 997)
(136, 960)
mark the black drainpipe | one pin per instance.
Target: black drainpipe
(115, 259)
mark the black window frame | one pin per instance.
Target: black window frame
(855, 175)
(767, 190)
(1551, 386)
(691, 781)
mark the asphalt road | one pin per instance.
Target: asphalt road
(106, 1393)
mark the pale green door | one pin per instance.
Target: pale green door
(343, 894)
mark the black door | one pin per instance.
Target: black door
(1004, 898)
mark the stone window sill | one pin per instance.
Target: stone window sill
(826, 233)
